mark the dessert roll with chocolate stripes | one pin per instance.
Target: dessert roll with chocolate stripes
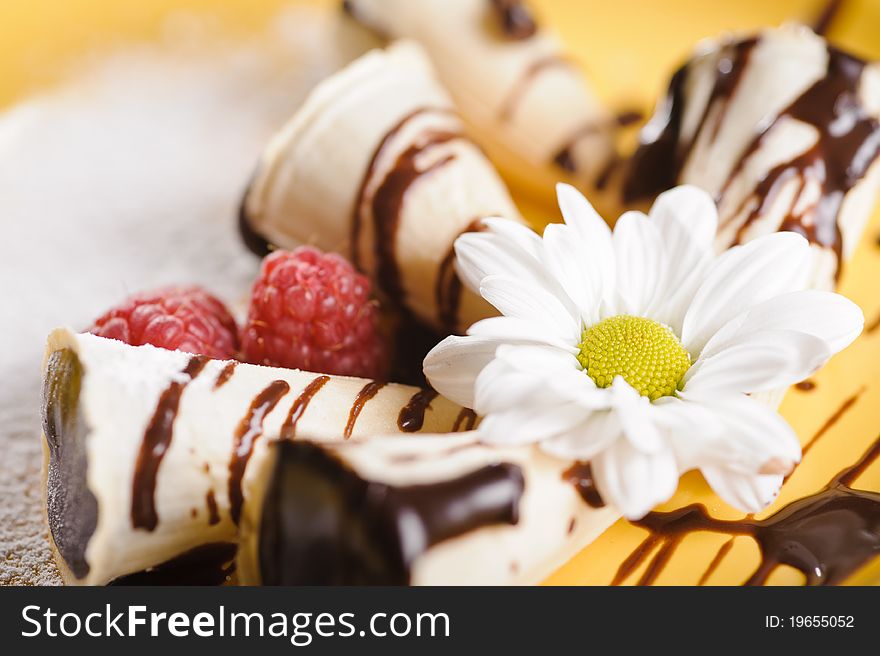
(148, 452)
(376, 165)
(782, 128)
(527, 103)
(433, 510)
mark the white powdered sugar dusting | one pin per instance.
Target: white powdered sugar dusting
(125, 178)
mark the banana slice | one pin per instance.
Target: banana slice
(782, 129)
(147, 451)
(376, 165)
(437, 510)
(524, 100)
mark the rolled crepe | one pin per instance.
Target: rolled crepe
(782, 129)
(147, 451)
(436, 510)
(526, 102)
(375, 165)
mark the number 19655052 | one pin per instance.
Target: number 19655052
(810, 621)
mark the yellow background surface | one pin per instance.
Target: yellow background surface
(629, 48)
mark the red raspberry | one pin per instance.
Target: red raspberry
(176, 318)
(311, 310)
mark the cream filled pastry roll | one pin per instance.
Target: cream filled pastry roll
(147, 452)
(432, 510)
(782, 129)
(376, 165)
(524, 99)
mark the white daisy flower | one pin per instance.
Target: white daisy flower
(638, 349)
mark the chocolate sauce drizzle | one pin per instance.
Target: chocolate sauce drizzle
(288, 428)
(367, 392)
(368, 532)
(628, 117)
(388, 206)
(514, 19)
(209, 564)
(827, 536)
(213, 510)
(489, 495)
(720, 555)
(564, 157)
(658, 162)
(249, 430)
(253, 241)
(465, 421)
(412, 415)
(224, 375)
(448, 288)
(525, 81)
(604, 177)
(826, 19)
(580, 474)
(157, 439)
(728, 73)
(833, 419)
(655, 165)
(806, 386)
(360, 198)
(848, 143)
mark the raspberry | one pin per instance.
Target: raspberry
(311, 310)
(175, 318)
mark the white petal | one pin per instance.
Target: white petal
(558, 371)
(641, 263)
(481, 254)
(528, 424)
(587, 439)
(749, 492)
(741, 278)
(757, 362)
(517, 234)
(531, 358)
(576, 267)
(594, 234)
(515, 331)
(830, 317)
(453, 365)
(735, 432)
(522, 300)
(677, 416)
(687, 219)
(635, 482)
(634, 414)
(501, 386)
(579, 213)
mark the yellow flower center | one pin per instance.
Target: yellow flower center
(645, 352)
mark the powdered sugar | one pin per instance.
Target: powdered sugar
(129, 177)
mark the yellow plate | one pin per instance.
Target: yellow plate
(629, 47)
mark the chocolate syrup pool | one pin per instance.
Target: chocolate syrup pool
(827, 536)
